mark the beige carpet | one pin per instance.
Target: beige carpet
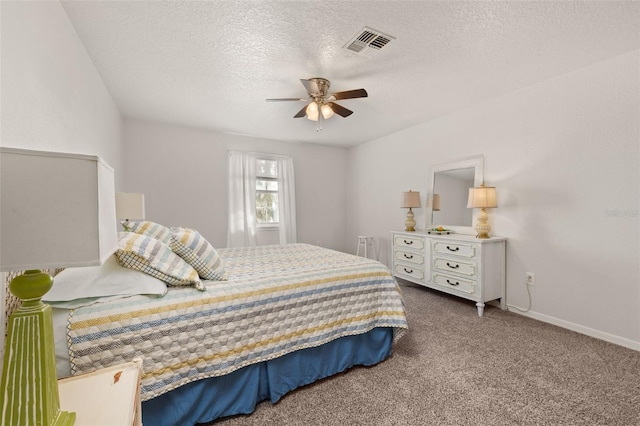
(454, 368)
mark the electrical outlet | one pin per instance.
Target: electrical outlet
(530, 278)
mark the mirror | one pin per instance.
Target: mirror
(450, 183)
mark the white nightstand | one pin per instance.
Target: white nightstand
(107, 397)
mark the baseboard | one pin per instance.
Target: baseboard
(611, 338)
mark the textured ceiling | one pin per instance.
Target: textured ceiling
(212, 64)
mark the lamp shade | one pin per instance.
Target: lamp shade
(435, 202)
(410, 199)
(130, 205)
(482, 197)
(56, 210)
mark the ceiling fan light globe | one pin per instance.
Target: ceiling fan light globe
(312, 108)
(327, 111)
(313, 115)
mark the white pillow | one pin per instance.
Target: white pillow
(104, 281)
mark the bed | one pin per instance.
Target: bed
(285, 316)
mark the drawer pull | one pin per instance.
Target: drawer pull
(452, 266)
(453, 249)
(408, 256)
(408, 242)
(453, 284)
(408, 271)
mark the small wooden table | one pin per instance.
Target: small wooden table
(107, 397)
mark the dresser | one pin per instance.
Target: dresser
(458, 264)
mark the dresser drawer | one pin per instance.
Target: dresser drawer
(408, 256)
(454, 249)
(412, 271)
(416, 243)
(460, 284)
(454, 265)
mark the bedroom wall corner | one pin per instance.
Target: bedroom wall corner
(565, 158)
(53, 98)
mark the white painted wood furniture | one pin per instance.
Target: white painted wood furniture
(457, 264)
(107, 397)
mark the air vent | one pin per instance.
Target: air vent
(368, 41)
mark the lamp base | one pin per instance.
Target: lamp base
(410, 223)
(65, 419)
(29, 394)
(482, 226)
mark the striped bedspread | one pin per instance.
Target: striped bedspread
(278, 299)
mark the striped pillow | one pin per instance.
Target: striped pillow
(146, 254)
(146, 227)
(197, 252)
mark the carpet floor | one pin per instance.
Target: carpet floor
(455, 368)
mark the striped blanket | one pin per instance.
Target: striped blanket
(278, 299)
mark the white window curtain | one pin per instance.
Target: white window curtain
(242, 227)
(286, 200)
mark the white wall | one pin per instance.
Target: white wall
(53, 98)
(564, 156)
(183, 173)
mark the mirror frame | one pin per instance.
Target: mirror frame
(477, 163)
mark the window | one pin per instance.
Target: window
(261, 199)
(267, 192)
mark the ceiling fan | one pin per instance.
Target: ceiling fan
(322, 103)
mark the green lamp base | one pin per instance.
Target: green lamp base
(65, 419)
(29, 381)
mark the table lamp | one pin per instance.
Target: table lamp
(56, 210)
(130, 205)
(434, 202)
(482, 197)
(410, 200)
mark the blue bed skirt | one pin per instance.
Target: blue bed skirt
(239, 392)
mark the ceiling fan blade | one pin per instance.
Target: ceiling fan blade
(310, 85)
(285, 99)
(340, 110)
(301, 113)
(350, 94)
